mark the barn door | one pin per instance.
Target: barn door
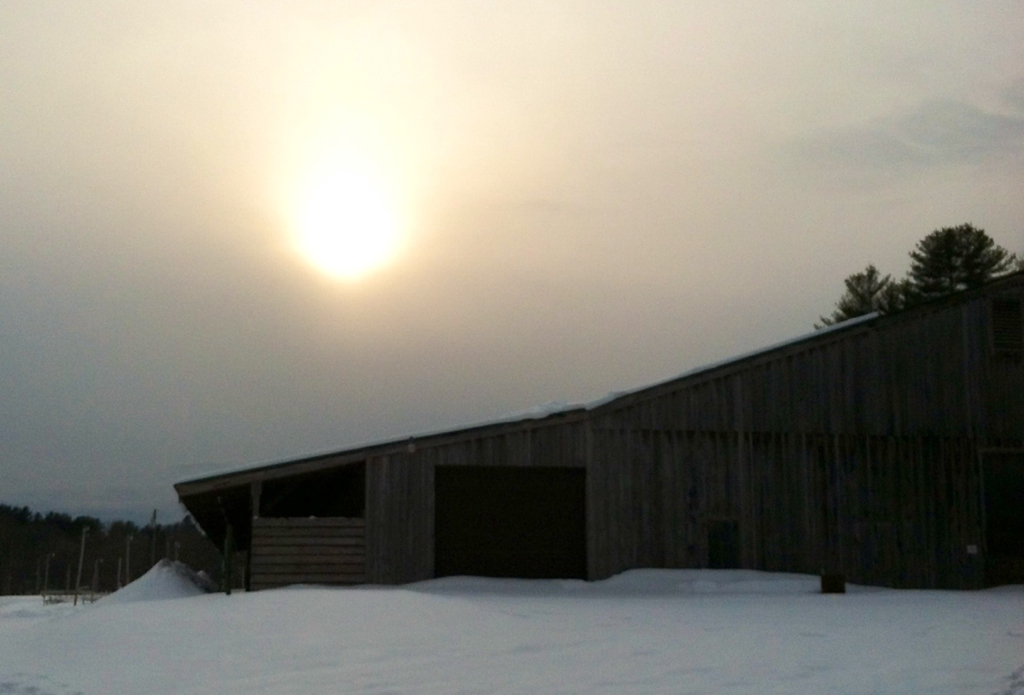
(1004, 518)
(497, 521)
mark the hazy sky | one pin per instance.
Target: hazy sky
(590, 196)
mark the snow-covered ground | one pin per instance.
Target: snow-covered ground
(647, 631)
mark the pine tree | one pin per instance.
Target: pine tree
(866, 292)
(956, 258)
(946, 261)
(897, 295)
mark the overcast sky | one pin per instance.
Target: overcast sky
(593, 196)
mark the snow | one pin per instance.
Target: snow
(165, 580)
(645, 631)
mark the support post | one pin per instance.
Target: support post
(255, 492)
(229, 551)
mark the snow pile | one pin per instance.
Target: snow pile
(639, 583)
(662, 582)
(165, 580)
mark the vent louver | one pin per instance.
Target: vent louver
(1007, 325)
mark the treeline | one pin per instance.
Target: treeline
(40, 551)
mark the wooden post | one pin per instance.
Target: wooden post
(152, 539)
(81, 559)
(119, 561)
(255, 492)
(229, 550)
(128, 561)
(46, 574)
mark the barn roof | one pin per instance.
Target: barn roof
(556, 413)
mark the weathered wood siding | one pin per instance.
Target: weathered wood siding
(857, 451)
(400, 487)
(1003, 374)
(932, 371)
(897, 511)
(307, 551)
(399, 519)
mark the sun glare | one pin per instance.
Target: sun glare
(346, 225)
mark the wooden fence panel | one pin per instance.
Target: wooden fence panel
(307, 551)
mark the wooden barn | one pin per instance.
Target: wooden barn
(889, 449)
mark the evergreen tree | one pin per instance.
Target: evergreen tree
(956, 258)
(866, 292)
(947, 260)
(897, 295)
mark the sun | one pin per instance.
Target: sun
(345, 222)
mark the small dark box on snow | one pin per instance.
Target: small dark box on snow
(833, 583)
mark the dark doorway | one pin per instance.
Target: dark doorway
(510, 522)
(1004, 518)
